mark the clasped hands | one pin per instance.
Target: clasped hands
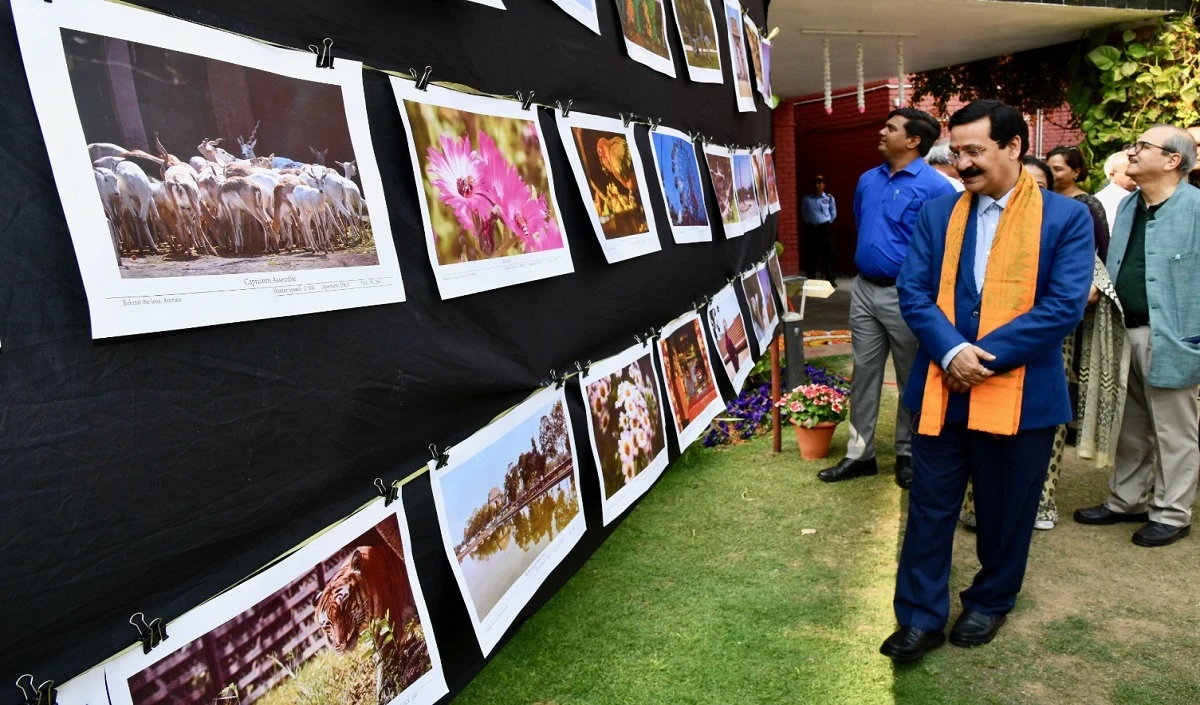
(966, 370)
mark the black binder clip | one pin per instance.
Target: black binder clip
(152, 634)
(526, 100)
(653, 123)
(583, 367)
(566, 110)
(696, 137)
(324, 53)
(422, 78)
(440, 457)
(733, 279)
(704, 301)
(44, 694)
(627, 118)
(390, 493)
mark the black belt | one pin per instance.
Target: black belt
(878, 281)
(1131, 322)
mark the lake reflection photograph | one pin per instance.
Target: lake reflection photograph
(506, 504)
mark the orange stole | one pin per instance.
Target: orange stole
(1009, 289)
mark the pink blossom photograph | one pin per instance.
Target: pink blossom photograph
(486, 189)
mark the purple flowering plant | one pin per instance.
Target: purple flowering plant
(750, 413)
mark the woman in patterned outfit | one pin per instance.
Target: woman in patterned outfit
(1047, 514)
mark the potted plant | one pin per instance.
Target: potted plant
(815, 410)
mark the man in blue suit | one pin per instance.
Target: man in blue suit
(995, 279)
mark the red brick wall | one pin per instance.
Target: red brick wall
(841, 146)
(785, 180)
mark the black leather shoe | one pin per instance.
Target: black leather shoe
(1159, 534)
(847, 469)
(975, 628)
(904, 471)
(1102, 515)
(908, 644)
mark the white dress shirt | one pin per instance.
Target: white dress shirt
(987, 219)
(1110, 197)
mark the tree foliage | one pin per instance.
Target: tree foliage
(1117, 83)
(1125, 83)
(1029, 80)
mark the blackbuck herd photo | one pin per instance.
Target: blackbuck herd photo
(214, 203)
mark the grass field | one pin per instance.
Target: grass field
(741, 578)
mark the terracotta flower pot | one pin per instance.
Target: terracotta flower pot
(814, 442)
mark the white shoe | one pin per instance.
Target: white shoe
(1043, 525)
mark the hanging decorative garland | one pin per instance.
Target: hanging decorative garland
(862, 100)
(828, 77)
(900, 69)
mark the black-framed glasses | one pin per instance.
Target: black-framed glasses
(1138, 146)
(972, 152)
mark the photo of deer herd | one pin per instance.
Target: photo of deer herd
(208, 167)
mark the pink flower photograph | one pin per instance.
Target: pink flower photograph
(485, 182)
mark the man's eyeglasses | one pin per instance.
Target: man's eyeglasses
(1138, 146)
(972, 152)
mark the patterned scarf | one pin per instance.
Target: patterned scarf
(1103, 370)
(1009, 290)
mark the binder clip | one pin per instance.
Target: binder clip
(566, 110)
(324, 53)
(627, 118)
(422, 79)
(583, 367)
(440, 457)
(653, 123)
(152, 634)
(554, 379)
(44, 694)
(526, 101)
(390, 493)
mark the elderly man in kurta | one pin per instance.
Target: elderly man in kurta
(995, 279)
(1154, 263)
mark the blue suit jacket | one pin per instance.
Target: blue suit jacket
(1033, 340)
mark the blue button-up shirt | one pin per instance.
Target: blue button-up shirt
(818, 210)
(885, 209)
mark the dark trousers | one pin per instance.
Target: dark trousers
(1008, 472)
(818, 246)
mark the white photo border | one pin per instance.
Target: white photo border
(629, 246)
(490, 629)
(120, 306)
(466, 278)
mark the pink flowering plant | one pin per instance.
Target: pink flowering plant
(486, 184)
(811, 404)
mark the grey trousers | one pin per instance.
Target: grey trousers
(1158, 460)
(877, 328)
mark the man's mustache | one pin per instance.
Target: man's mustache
(969, 172)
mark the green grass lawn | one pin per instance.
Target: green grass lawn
(741, 578)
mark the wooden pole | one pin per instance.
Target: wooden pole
(776, 432)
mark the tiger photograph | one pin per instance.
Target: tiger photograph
(345, 631)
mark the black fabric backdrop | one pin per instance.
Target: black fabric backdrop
(151, 473)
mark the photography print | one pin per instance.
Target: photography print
(485, 190)
(509, 510)
(199, 182)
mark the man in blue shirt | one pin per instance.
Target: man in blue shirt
(819, 210)
(885, 208)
